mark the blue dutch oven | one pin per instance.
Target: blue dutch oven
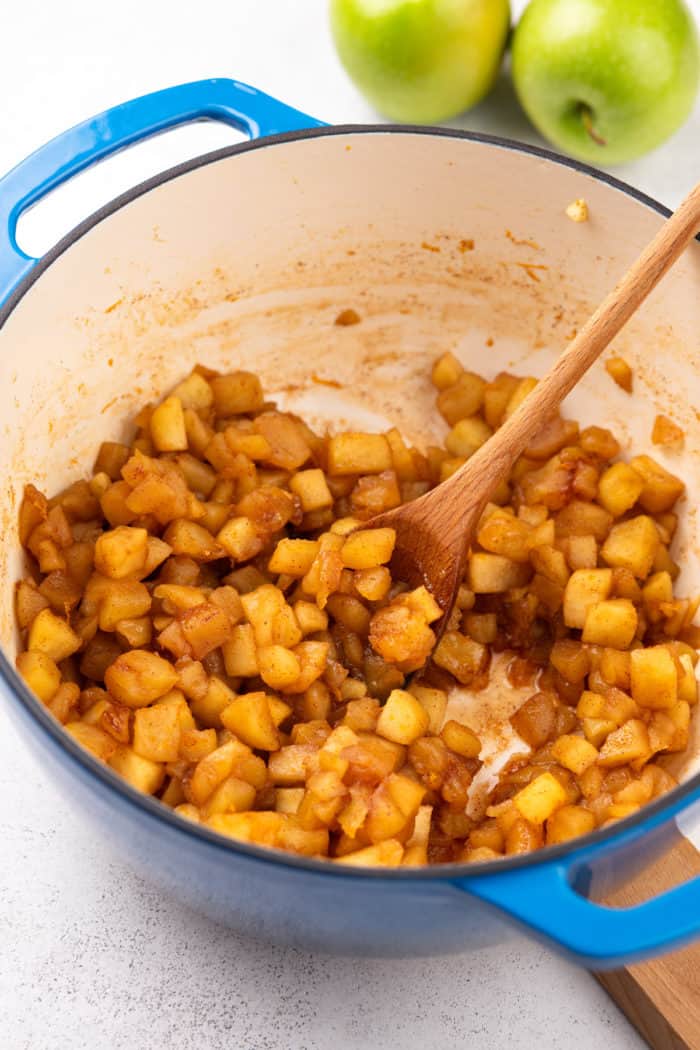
(122, 304)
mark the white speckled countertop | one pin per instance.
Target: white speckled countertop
(90, 956)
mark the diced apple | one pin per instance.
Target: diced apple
(540, 798)
(585, 589)
(610, 623)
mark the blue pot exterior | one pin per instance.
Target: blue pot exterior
(309, 903)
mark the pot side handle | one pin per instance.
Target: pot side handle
(247, 109)
(548, 900)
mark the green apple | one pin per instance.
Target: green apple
(421, 61)
(606, 80)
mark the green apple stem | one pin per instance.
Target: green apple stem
(587, 121)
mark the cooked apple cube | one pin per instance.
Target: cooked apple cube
(568, 823)
(504, 534)
(157, 551)
(554, 435)
(540, 798)
(611, 623)
(194, 392)
(121, 552)
(657, 589)
(207, 709)
(372, 584)
(405, 792)
(599, 442)
(94, 739)
(200, 477)
(138, 677)
(615, 668)
(141, 772)
(288, 800)
(482, 627)
(122, 600)
(467, 436)
(249, 717)
(386, 854)
(460, 739)
(433, 702)
(581, 552)
(368, 548)
(583, 519)
(231, 796)
(549, 562)
(632, 545)
(191, 540)
(680, 716)
(385, 819)
(421, 827)
(212, 770)
(309, 617)
(313, 658)
(620, 706)
(353, 453)
(294, 836)
(596, 730)
(585, 589)
(618, 370)
(493, 574)
(461, 656)
(463, 398)
(196, 744)
(52, 636)
(236, 394)
(240, 539)
(571, 659)
(661, 488)
(205, 627)
(400, 635)
(272, 618)
(40, 673)
(654, 678)
(29, 601)
(312, 489)
(278, 667)
(157, 732)
(287, 438)
(65, 701)
(292, 764)
(574, 753)
(402, 719)
(293, 557)
(446, 371)
(167, 426)
(262, 828)
(496, 396)
(591, 705)
(619, 488)
(535, 721)
(626, 744)
(240, 652)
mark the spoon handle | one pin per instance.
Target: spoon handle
(494, 459)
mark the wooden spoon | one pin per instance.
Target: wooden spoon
(434, 532)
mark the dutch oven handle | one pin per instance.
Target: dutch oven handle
(547, 898)
(247, 109)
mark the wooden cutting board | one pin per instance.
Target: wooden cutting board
(662, 997)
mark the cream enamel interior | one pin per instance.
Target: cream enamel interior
(246, 261)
